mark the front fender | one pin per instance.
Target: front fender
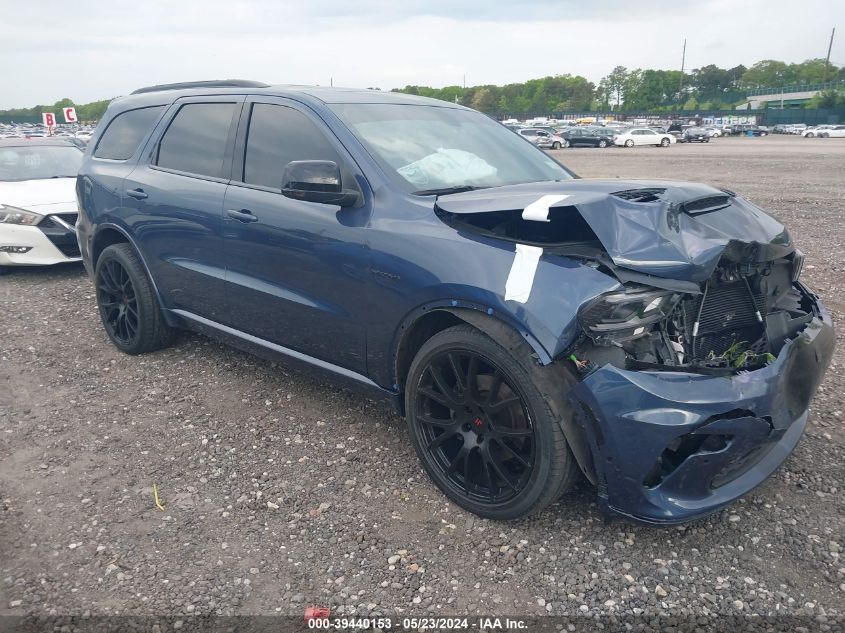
(546, 321)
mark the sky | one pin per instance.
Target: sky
(97, 49)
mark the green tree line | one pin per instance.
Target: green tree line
(707, 88)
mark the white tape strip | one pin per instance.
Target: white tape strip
(521, 278)
(539, 209)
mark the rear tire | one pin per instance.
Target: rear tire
(127, 302)
(484, 432)
(629, 143)
(664, 142)
(555, 145)
(602, 143)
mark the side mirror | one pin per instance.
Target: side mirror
(316, 181)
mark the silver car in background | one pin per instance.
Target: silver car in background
(542, 139)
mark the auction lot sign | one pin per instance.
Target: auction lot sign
(49, 119)
(70, 115)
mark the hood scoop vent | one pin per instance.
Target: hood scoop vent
(651, 194)
(708, 204)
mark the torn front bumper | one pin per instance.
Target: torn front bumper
(669, 447)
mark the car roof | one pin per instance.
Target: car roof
(26, 142)
(160, 95)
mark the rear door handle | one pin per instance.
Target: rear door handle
(242, 215)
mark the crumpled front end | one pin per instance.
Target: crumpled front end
(697, 369)
(670, 445)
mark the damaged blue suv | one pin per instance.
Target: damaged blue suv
(653, 336)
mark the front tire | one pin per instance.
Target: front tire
(555, 145)
(602, 143)
(664, 142)
(482, 429)
(128, 306)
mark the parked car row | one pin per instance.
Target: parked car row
(78, 134)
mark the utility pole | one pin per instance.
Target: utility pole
(683, 62)
(829, 47)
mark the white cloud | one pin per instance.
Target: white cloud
(99, 48)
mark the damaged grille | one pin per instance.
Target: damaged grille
(55, 227)
(727, 317)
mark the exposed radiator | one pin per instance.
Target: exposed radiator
(728, 317)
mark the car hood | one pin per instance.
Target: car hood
(675, 230)
(52, 195)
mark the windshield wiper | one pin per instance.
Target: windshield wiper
(444, 190)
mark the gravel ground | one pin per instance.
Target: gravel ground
(281, 491)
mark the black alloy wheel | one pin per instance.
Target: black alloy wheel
(475, 427)
(483, 431)
(127, 302)
(118, 302)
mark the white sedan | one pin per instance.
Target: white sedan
(836, 131)
(38, 208)
(643, 136)
(815, 130)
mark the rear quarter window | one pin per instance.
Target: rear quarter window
(125, 133)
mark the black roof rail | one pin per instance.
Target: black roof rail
(214, 83)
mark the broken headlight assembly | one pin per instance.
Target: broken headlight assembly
(627, 314)
(13, 215)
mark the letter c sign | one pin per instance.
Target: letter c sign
(70, 115)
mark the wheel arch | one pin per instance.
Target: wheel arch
(430, 319)
(549, 376)
(104, 237)
(109, 234)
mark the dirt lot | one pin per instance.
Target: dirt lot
(281, 491)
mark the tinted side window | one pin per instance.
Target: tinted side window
(195, 141)
(278, 135)
(125, 133)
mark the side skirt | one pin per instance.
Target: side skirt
(271, 351)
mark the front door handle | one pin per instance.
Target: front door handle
(138, 194)
(242, 215)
